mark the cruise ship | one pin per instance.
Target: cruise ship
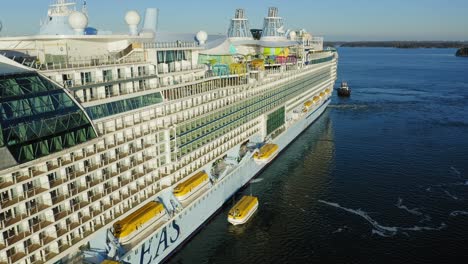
(117, 148)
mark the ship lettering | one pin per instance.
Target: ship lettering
(162, 241)
(177, 229)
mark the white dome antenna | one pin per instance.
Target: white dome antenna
(201, 36)
(78, 22)
(132, 18)
(292, 35)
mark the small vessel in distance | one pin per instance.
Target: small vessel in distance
(241, 212)
(344, 90)
(266, 153)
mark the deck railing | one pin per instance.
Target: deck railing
(169, 45)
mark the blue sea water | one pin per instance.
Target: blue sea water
(381, 177)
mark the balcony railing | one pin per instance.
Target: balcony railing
(170, 45)
(71, 63)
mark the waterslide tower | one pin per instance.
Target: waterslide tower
(239, 27)
(273, 26)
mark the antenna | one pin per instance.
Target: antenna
(1, 26)
(84, 9)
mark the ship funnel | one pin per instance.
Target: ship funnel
(239, 27)
(273, 26)
(151, 20)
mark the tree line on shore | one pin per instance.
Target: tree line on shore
(399, 44)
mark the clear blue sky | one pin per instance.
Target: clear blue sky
(335, 19)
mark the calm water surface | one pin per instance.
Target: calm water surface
(381, 177)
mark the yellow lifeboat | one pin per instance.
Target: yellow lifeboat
(322, 94)
(125, 229)
(108, 261)
(186, 188)
(316, 99)
(328, 91)
(266, 153)
(308, 104)
(243, 210)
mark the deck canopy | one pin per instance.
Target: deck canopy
(37, 117)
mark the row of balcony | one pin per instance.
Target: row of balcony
(71, 175)
(80, 189)
(114, 203)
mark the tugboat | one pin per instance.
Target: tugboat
(344, 90)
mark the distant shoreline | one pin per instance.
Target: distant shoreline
(398, 44)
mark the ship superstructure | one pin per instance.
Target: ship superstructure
(101, 131)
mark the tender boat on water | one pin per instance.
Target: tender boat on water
(243, 210)
(129, 227)
(266, 153)
(344, 90)
(190, 186)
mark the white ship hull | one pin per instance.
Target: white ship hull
(161, 245)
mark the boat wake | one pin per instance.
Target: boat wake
(256, 180)
(384, 231)
(457, 213)
(348, 106)
(451, 195)
(455, 171)
(414, 211)
(443, 186)
(341, 229)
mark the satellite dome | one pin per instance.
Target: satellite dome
(78, 21)
(202, 36)
(132, 18)
(292, 35)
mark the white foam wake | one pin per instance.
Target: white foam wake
(450, 195)
(341, 229)
(455, 171)
(378, 229)
(256, 180)
(414, 211)
(457, 213)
